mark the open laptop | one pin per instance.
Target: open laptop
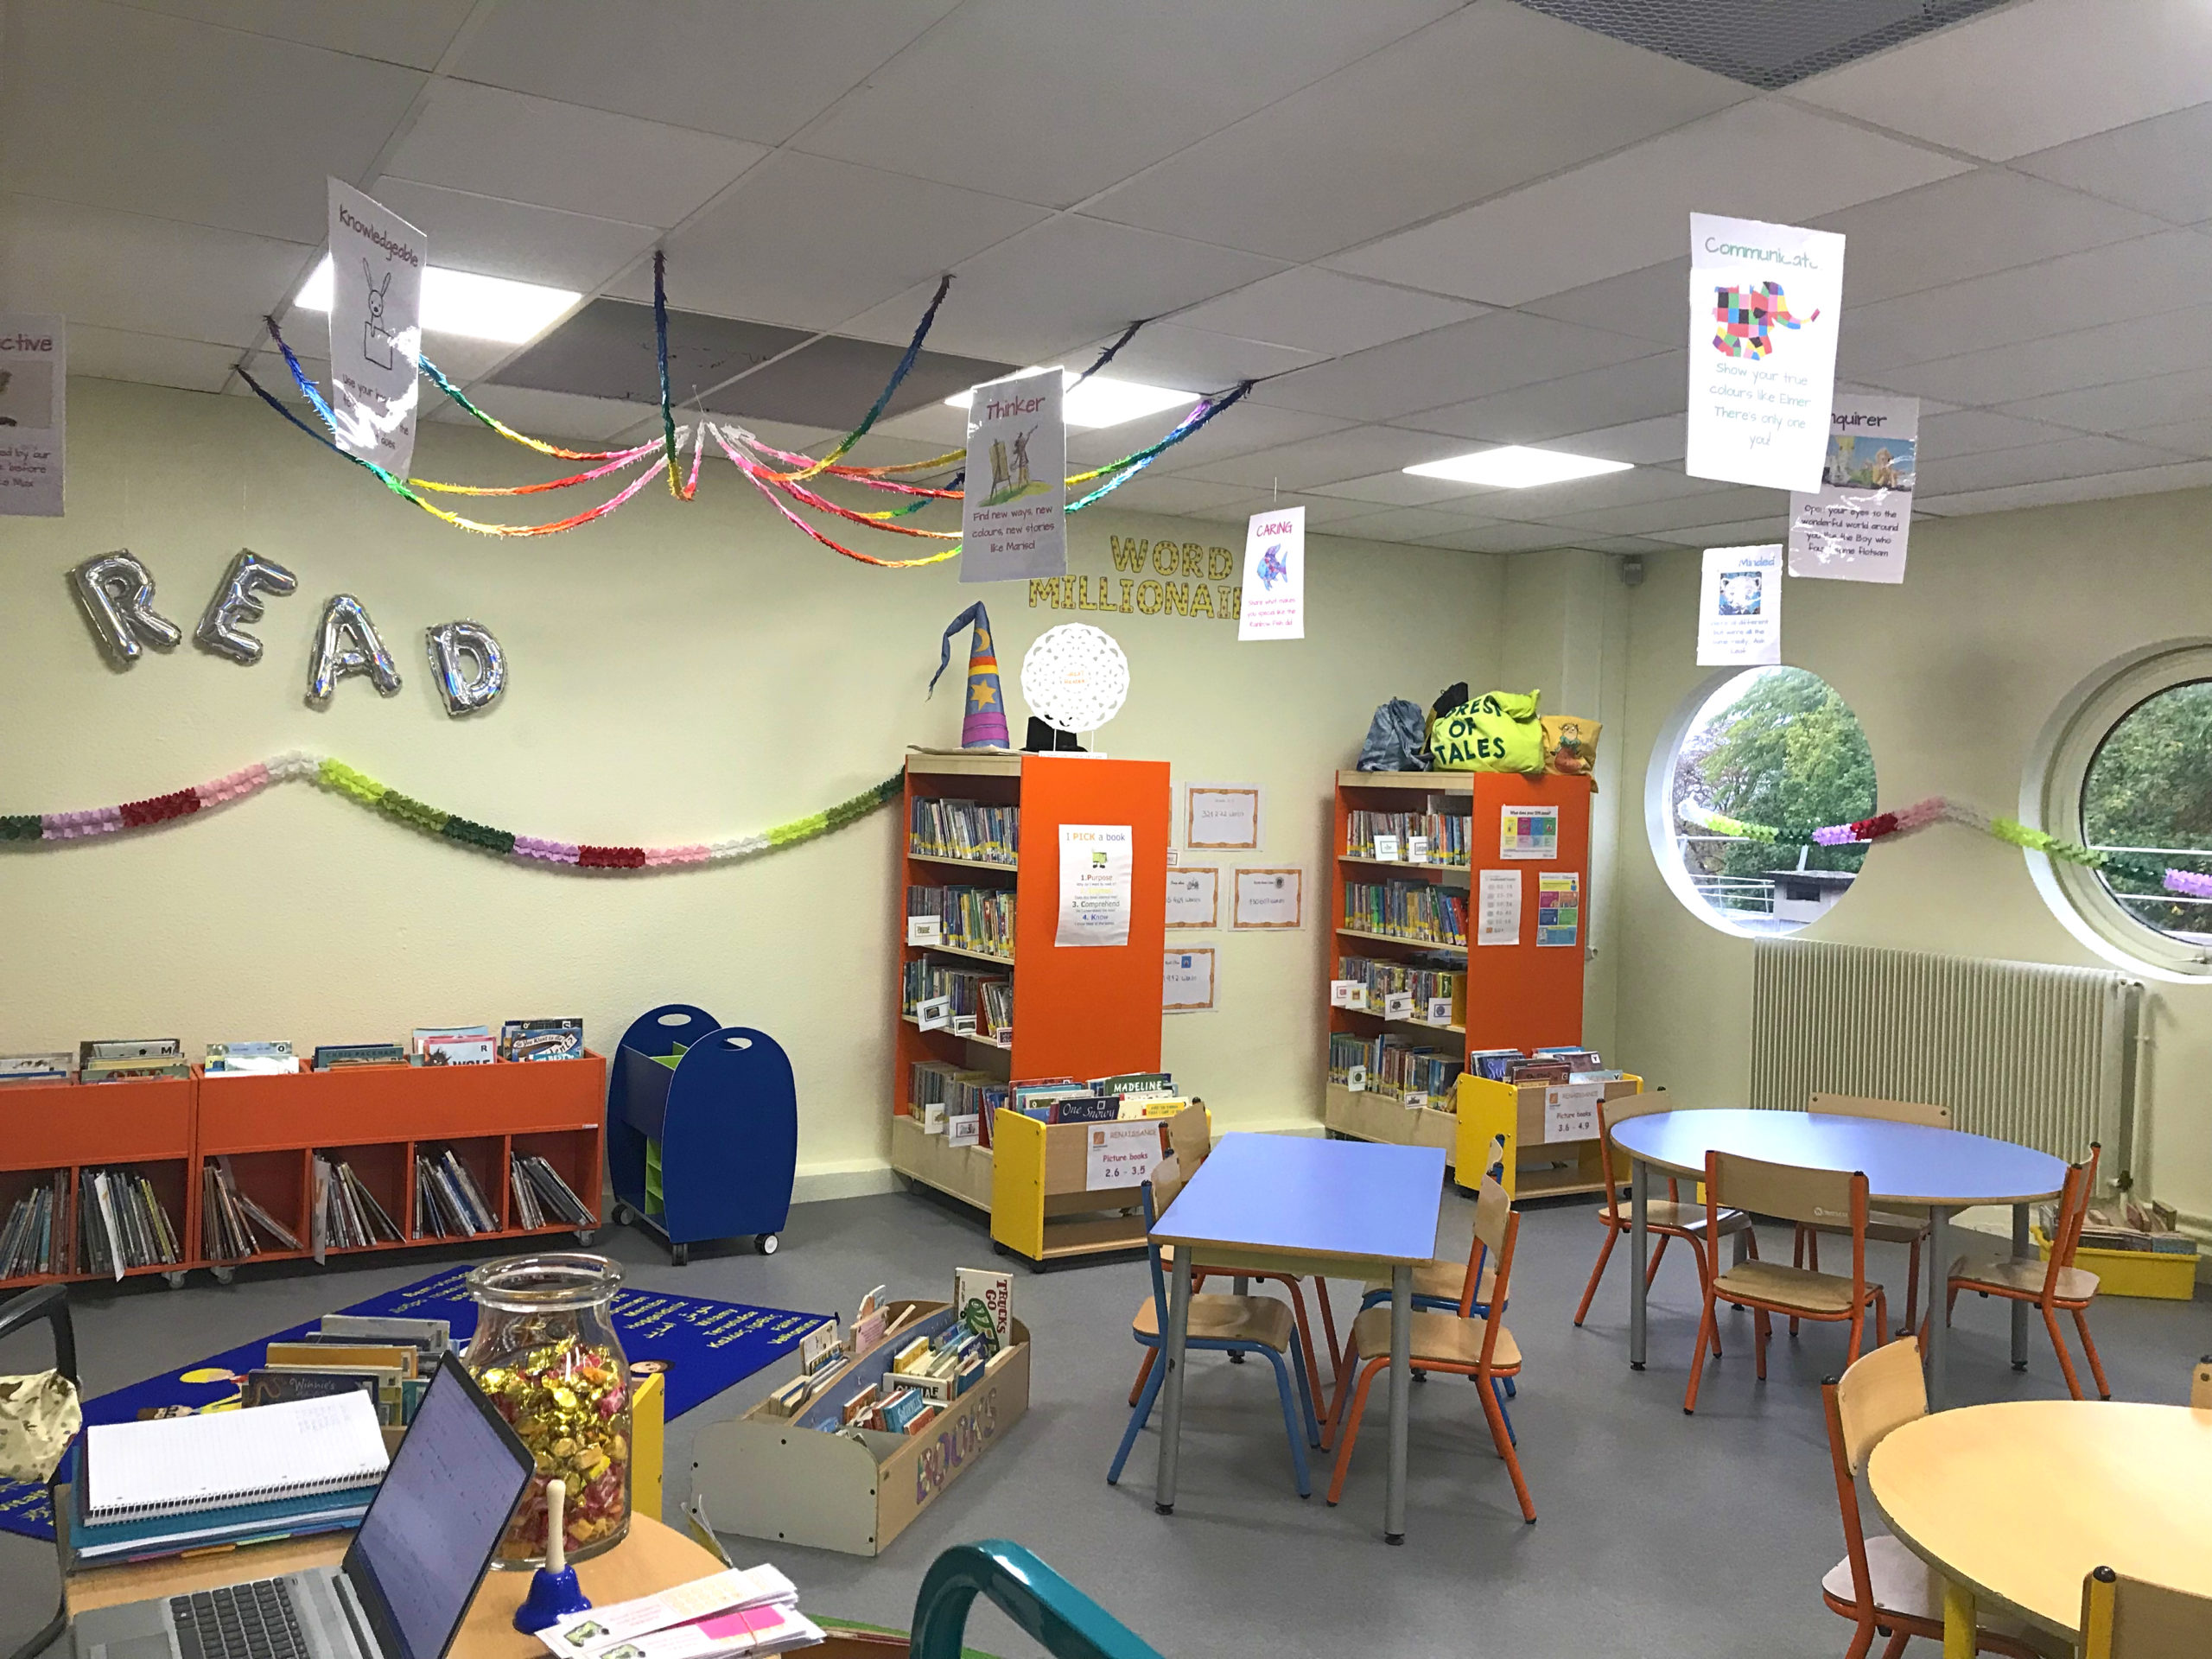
(406, 1582)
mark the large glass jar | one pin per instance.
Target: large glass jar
(546, 1354)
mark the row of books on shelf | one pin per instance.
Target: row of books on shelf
(233, 1225)
(933, 1360)
(347, 1216)
(447, 1202)
(122, 1222)
(1394, 1066)
(961, 1104)
(968, 918)
(1410, 837)
(948, 1101)
(35, 1238)
(1406, 910)
(1564, 1064)
(542, 1198)
(125, 1058)
(976, 1001)
(949, 829)
(1431, 993)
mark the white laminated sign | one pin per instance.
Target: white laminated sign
(1765, 303)
(376, 260)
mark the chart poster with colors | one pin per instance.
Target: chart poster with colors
(1096, 861)
(34, 393)
(376, 326)
(1740, 606)
(1853, 527)
(1498, 908)
(1013, 521)
(1528, 832)
(1559, 907)
(1765, 303)
(1274, 576)
(1187, 986)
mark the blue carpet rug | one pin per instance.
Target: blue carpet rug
(708, 1346)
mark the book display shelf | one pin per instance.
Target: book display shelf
(1077, 1012)
(268, 1127)
(1425, 916)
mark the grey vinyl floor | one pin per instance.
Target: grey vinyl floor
(1658, 1534)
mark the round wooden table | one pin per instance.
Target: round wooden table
(2015, 1503)
(1906, 1164)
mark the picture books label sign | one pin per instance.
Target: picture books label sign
(1012, 520)
(1765, 302)
(376, 326)
(1853, 527)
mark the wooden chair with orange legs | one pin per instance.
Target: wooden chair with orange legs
(1666, 1219)
(2056, 1286)
(1190, 1139)
(2132, 1618)
(1879, 1585)
(1903, 1225)
(1788, 1194)
(1463, 1343)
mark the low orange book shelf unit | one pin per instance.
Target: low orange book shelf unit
(376, 1118)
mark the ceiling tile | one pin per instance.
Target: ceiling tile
(1009, 93)
(2130, 405)
(2190, 437)
(145, 275)
(760, 71)
(1403, 489)
(1656, 517)
(1443, 117)
(1744, 533)
(95, 100)
(1651, 304)
(511, 238)
(1639, 442)
(2131, 349)
(1037, 296)
(495, 143)
(414, 32)
(1643, 389)
(1490, 353)
(1326, 312)
(1241, 430)
(151, 359)
(1988, 220)
(809, 243)
(1150, 492)
(1355, 452)
(1407, 523)
(1320, 510)
(1978, 432)
(833, 382)
(1632, 209)
(1503, 538)
(1193, 359)
(2027, 77)
(2157, 274)
(2103, 486)
(2036, 463)
(2156, 165)
(1551, 502)
(1622, 544)
(553, 414)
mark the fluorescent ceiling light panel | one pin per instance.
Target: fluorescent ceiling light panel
(1515, 467)
(1101, 401)
(461, 302)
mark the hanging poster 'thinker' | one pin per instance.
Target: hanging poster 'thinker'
(1014, 519)
(1853, 527)
(1765, 303)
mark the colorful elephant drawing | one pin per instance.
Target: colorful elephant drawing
(1748, 316)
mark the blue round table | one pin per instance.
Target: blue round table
(1906, 1164)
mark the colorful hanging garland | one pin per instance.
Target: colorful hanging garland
(364, 790)
(1938, 809)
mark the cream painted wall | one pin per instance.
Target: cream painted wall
(1953, 676)
(679, 672)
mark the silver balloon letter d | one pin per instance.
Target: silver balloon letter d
(470, 668)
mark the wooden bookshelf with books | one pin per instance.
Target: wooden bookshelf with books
(980, 874)
(1414, 995)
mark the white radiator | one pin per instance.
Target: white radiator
(2027, 1052)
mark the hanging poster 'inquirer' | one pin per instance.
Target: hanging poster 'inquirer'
(1765, 303)
(1853, 527)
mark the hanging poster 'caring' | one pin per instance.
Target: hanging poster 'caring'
(1765, 303)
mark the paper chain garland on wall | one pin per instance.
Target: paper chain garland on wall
(358, 787)
(751, 456)
(1938, 809)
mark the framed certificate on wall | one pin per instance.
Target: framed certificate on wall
(1270, 900)
(1194, 896)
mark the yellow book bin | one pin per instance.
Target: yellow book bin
(1549, 1152)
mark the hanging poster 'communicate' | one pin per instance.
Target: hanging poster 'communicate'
(1853, 527)
(1740, 606)
(376, 260)
(34, 381)
(1094, 866)
(1274, 576)
(1765, 303)
(1013, 520)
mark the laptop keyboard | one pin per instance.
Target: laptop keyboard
(240, 1621)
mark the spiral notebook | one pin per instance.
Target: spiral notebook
(179, 1465)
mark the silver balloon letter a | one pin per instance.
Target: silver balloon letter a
(471, 669)
(117, 594)
(234, 603)
(348, 645)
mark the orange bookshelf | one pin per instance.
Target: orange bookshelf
(144, 1124)
(1079, 1012)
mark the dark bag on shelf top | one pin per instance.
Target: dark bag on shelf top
(1396, 739)
(1497, 732)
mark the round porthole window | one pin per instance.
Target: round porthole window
(2125, 768)
(1762, 746)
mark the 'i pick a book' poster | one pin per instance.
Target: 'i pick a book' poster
(1765, 303)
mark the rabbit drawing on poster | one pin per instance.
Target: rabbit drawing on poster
(378, 344)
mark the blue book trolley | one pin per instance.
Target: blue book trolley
(701, 1130)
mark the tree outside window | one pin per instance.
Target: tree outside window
(2148, 789)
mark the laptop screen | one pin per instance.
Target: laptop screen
(428, 1537)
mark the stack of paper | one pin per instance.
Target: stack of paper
(724, 1614)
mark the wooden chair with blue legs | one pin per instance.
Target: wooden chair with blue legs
(1461, 1342)
(1225, 1325)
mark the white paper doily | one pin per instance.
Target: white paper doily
(1075, 677)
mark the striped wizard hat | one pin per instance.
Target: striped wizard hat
(983, 721)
